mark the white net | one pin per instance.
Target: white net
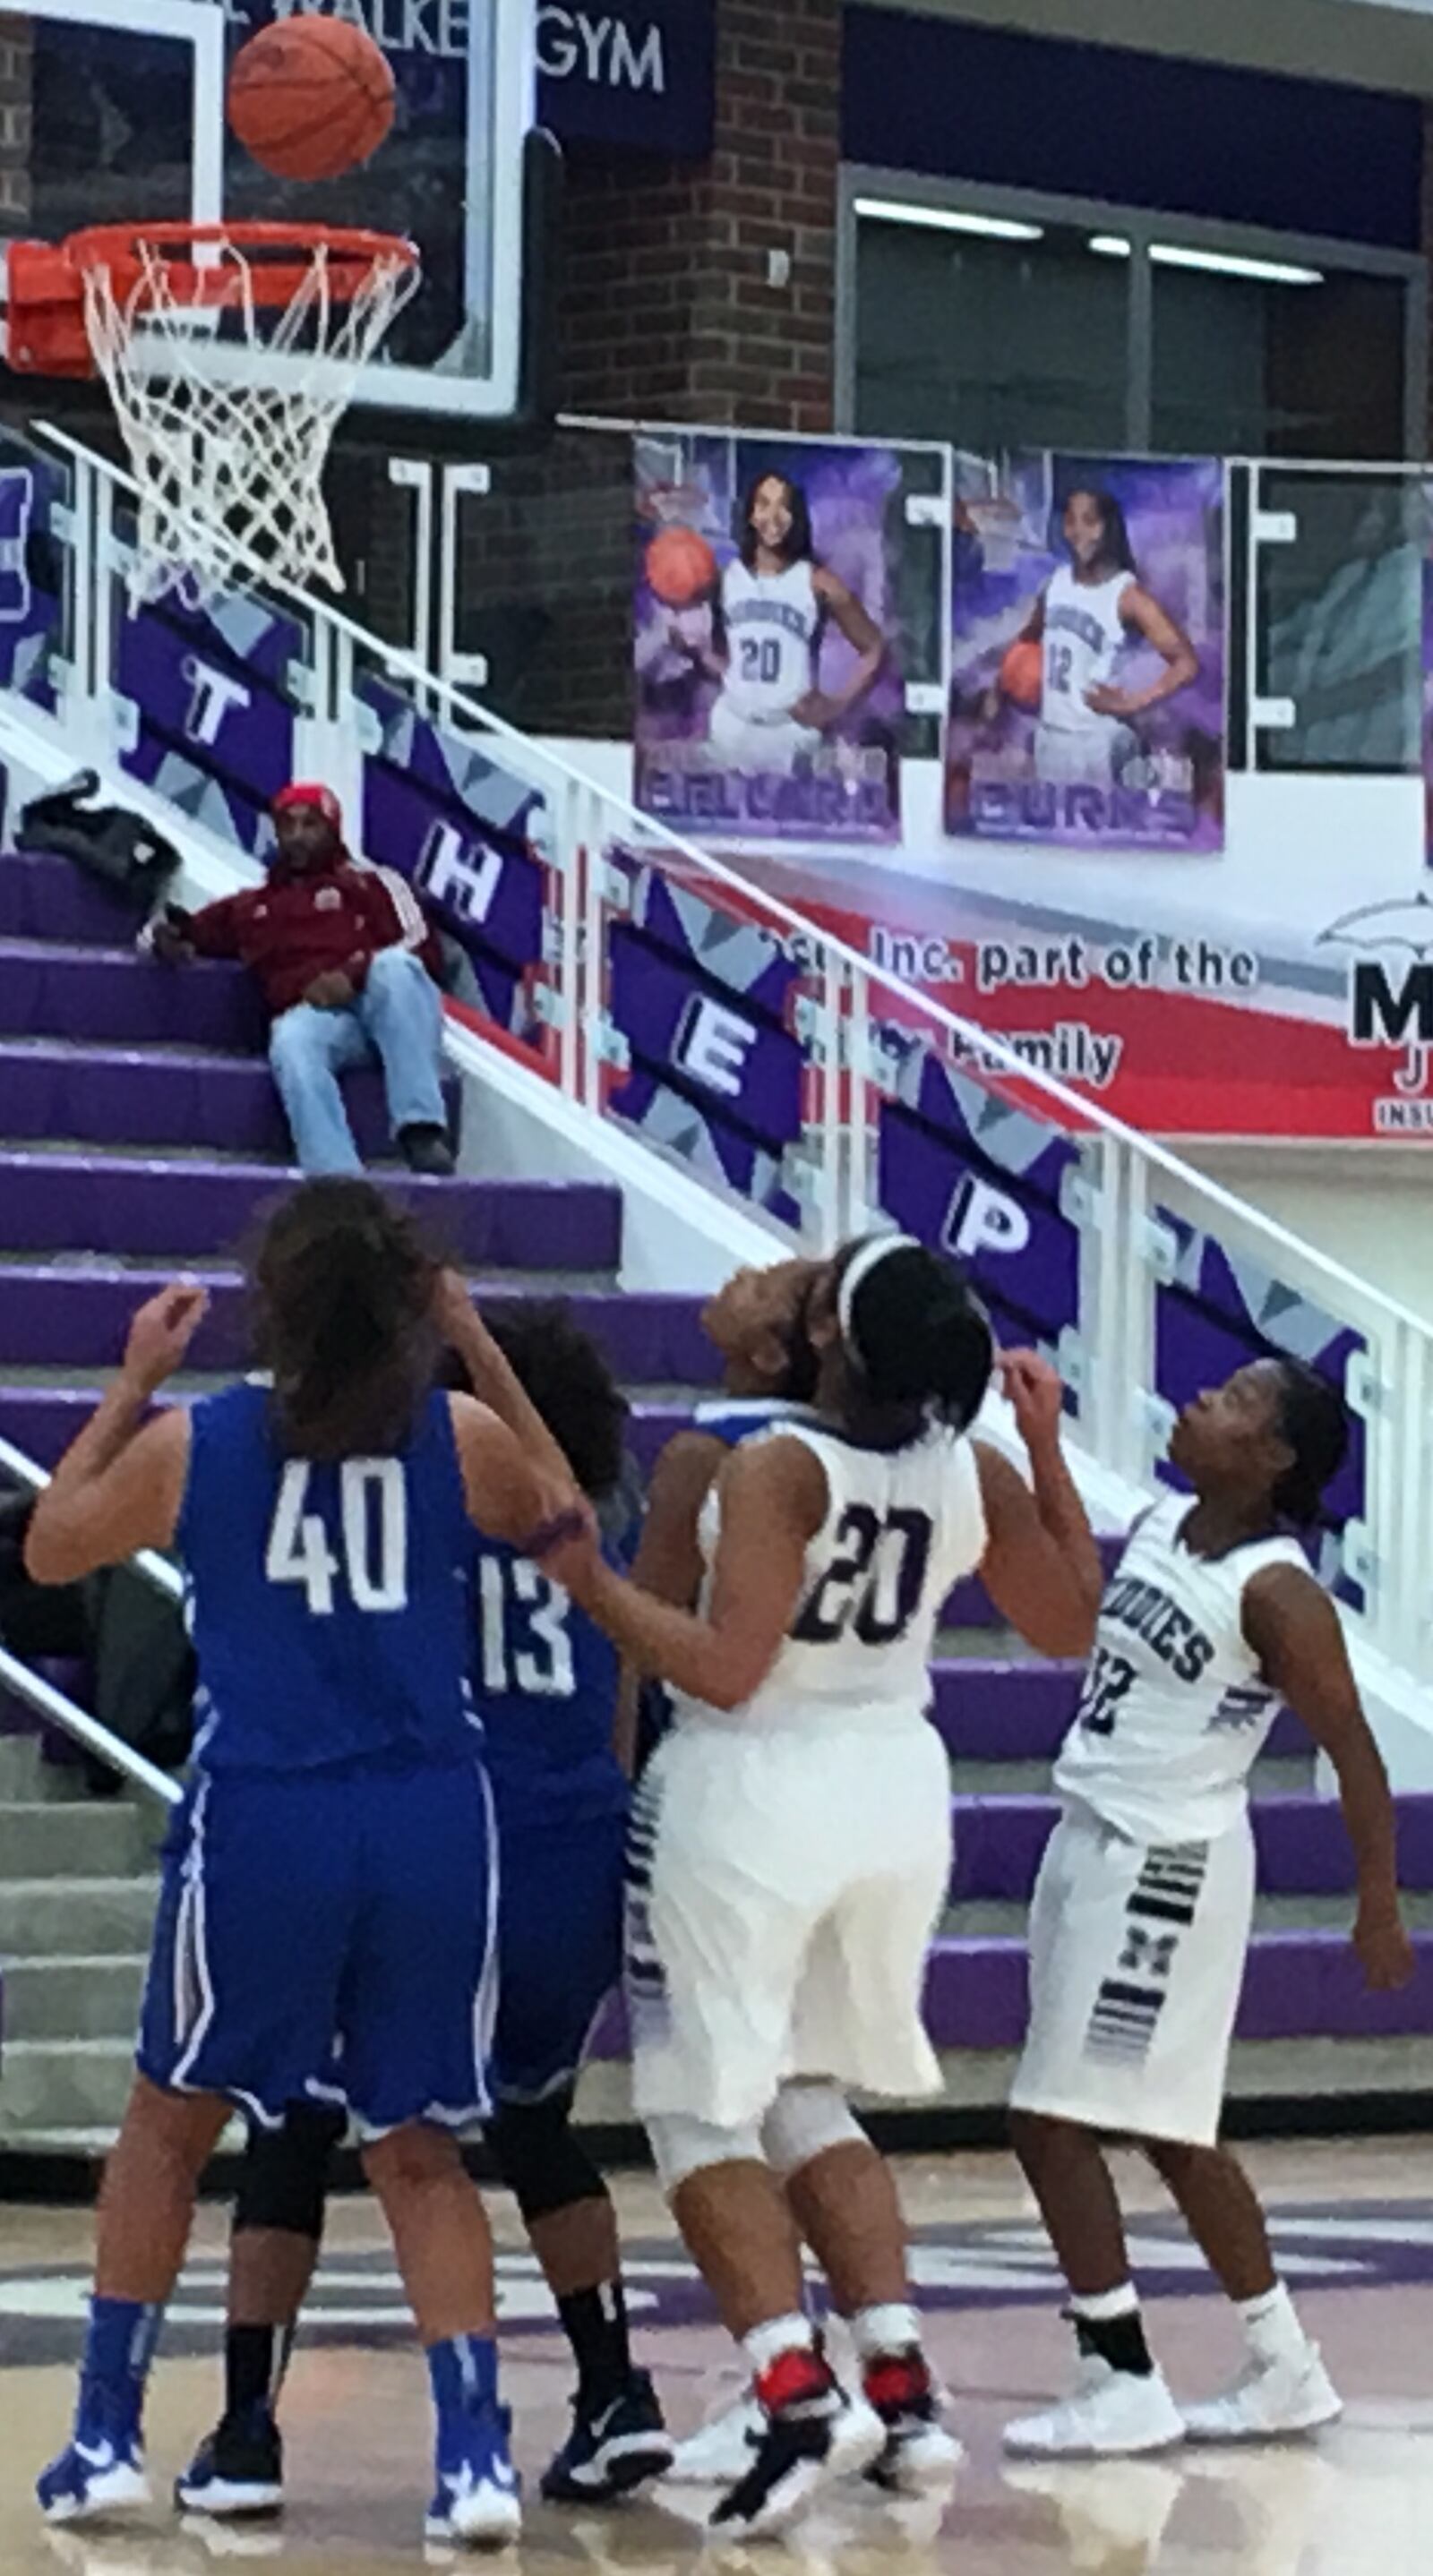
(230, 463)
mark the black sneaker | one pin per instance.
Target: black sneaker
(611, 2450)
(427, 1150)
(238, 2469)
(814, 2433)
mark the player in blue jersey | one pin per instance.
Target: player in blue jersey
(329, 1876)
(546, 1681)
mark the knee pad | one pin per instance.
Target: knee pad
(283, 2181)
(682, 2147)
(544, 2165)
(803, 2121)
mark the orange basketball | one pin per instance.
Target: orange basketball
(680, 567)
(1022, 673)
(310, 97)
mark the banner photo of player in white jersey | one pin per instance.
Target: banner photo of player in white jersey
(768, 687)
(1087, 674)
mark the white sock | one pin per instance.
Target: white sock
(780, 2334)
(892, 2327)
(1105, 2304)
(1271, 2323)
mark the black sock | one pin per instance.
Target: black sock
(595, 2324)
(255, 2360)
(1117, 2340)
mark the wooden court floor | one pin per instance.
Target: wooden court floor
(1355, 2231)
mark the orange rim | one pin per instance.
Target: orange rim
(274, 280)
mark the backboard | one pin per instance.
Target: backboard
(112, 110)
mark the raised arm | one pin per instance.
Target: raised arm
(1041, 1565)
(773, 1498)
(493, 1381)
(1294, 1629)
(510, 1493)
(120, 1483)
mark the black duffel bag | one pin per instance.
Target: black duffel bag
(121, 849)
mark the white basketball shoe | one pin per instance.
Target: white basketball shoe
(1109, 2414)
(1290, 2395)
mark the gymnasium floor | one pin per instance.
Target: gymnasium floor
(1355, 2227)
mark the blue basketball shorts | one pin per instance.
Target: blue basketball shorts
(329, 1932)
(559, 1943)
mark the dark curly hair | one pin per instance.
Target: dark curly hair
(342, 1287)
(567, 1375)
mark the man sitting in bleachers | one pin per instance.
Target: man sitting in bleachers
(347, 963)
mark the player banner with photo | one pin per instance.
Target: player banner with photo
(1088, 657)
(768, 683)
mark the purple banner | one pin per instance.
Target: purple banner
(34, 573)
(1088, 657)
(214, 717)
(966, 1171)
(703, 1003)
(470, 836)
(765, 622)
(1216, 1315)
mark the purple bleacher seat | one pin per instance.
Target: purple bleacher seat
(112, 995)
(52, 1315)
(44, 897)
(127, 1205)
(220, 1103)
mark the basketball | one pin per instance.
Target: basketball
(680, 567)
(310, 97)
(1022, 673)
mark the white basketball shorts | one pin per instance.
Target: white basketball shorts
(759, 750)
(783, 1887)
(1136, 1959)
(1090, 755)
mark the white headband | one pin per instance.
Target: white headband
(867, 1259)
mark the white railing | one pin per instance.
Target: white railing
(664, 993)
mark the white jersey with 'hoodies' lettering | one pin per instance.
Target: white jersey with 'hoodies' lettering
(772, 620)
(1082, 639)
(900, 1527)
(1175, 1710)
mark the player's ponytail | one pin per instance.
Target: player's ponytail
(1313, 1422)
(916, 1338)
(342, 1289)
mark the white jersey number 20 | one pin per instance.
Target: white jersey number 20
(873, 1585)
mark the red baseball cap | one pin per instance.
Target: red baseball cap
(304, 791)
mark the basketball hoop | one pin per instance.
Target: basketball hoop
(996, 521)
(230, 352)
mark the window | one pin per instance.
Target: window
(995, 319)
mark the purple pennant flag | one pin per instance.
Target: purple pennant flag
(34, 566)
(982, 1180)
(703, 1000)
(470, 836)
(215, 718)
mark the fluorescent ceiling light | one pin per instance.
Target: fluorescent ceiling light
(1222, 263)
(942, 219)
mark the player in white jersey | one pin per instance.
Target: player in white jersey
(791, 1839)
(775, 599)
(1142, 1911)
(1089, 612)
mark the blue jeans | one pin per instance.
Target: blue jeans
(398, 1018)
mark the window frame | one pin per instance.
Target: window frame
(1141, 227)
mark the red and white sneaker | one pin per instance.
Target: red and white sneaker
(919, 2457)
(812, 2434)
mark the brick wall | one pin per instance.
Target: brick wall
(15, 89)
(665, 312)
(666, 306)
